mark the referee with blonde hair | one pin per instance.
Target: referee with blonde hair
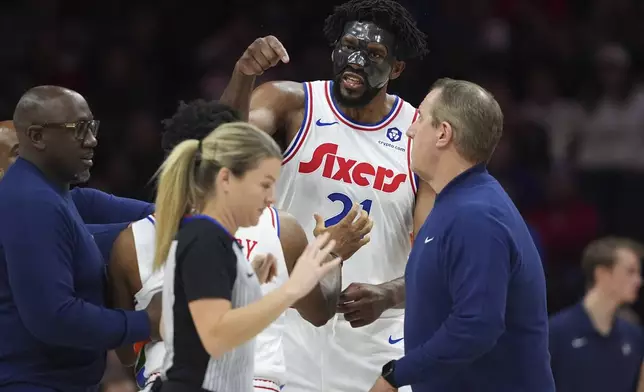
(212, 301)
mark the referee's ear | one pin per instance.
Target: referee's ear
(223, 180)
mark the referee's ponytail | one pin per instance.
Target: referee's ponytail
(189, 174)
(176, 192)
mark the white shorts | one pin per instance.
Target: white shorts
(264, 385)
(337, 357)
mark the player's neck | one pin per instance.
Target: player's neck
(448, 168)
(373, 112)
(601, 309)
(221, 215)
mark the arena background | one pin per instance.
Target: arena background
(573, 164)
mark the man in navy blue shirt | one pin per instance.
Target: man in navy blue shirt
(55, 331)
(592, 348)
(475, 311)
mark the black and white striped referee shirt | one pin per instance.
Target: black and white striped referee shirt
(205, 261)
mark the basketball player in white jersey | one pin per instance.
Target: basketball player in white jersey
(345, 143)
(277, 234)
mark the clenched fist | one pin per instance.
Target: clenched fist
(261, 55)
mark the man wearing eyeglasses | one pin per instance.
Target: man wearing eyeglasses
(55, 331)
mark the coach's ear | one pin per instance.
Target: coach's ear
(397, 69)
(444, 134)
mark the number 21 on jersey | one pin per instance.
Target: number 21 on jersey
(347, 203)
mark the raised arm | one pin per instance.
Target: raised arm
(277, 107)
(272, 106)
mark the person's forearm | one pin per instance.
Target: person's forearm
(320, 305)
(331, 287)
(395, 293)
(86, 326)
(456, 344)
(238, 92)
(96, 207)
(41, 276)
(237, 326)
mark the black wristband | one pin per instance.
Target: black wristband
(388, 373)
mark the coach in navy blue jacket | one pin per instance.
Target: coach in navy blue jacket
(475, 313)
(54, 329)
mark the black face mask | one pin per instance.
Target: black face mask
(352, 54)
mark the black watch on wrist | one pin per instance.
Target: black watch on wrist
(388, 373)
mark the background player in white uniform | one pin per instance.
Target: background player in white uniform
(345, 143)
(134, 283)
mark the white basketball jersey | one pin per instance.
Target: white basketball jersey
(260, 239)
(334, 162)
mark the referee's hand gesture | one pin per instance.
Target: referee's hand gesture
(312, 266)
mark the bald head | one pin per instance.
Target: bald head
(8, 145)
(56, 131)
(49, 105)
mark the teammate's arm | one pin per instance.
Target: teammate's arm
(124, 283)
(319, 305)
(425, 197)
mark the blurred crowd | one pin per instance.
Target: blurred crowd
(566, 72)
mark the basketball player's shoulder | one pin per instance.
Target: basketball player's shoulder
(278, 105)
(284, 94)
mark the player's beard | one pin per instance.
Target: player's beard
(354, 102)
